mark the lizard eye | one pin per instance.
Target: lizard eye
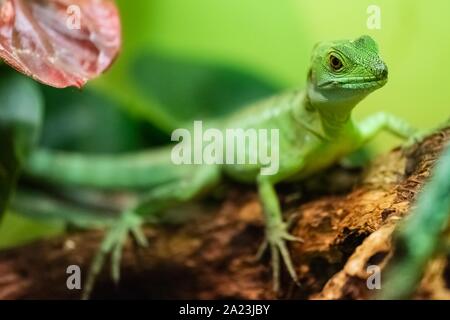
(335, 62)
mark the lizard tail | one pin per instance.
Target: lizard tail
(140, 170)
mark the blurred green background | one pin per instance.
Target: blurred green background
(184, 59)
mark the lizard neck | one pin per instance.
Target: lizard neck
(334, 123)
(334, 111)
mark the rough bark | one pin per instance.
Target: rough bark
(346, 218)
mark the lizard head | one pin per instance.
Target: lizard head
(345, 71)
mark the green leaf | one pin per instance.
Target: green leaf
(199, 29)
(20, 121)
(419, 237)
(90, 122)
(191, 90)
(169, 91)
(18, 229)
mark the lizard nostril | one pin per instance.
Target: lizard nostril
(381, 71)
(384, 72)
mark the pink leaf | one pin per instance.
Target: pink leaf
(59, 42)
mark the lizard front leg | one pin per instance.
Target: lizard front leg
(381, 121)
(276, 231)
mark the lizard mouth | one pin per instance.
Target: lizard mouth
(355, 83)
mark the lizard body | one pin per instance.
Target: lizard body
(316, 130)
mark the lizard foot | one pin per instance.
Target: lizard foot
(276, 238)
(419, 136)
(416, 138)
(112, 245)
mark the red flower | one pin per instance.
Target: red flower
(59, 42)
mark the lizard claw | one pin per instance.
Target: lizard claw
(290, 237)
(276, 238)
(262, 249)
(112, 245)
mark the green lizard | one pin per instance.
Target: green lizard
(316, 130)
